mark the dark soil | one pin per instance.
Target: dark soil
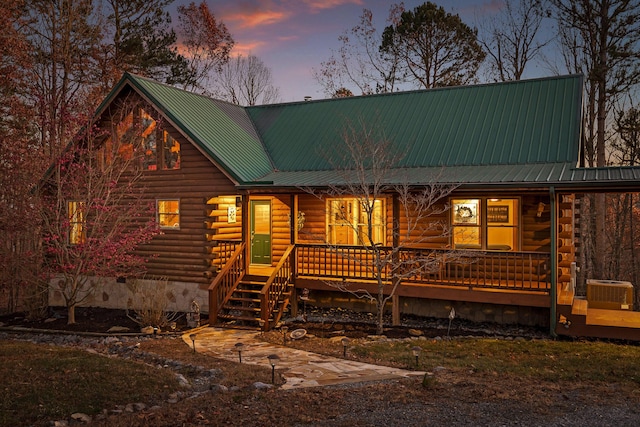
(89, 319)
(321, 322)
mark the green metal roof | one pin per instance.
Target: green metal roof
(502, 134)
(516, 123)
(222, 130)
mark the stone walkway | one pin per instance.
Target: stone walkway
(299, 368)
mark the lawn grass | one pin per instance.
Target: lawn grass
(539, 359)
(43, 383)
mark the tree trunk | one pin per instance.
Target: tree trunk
(71, 314)
(380, 327)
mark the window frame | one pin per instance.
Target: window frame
(481, 225)
(77, 233)
(160, 214)
(355, 224)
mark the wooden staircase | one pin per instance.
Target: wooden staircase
(243, 307)
(237, 298)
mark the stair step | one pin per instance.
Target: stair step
(243, 318)
(245, 299)
(241, 308)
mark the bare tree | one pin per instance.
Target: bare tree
(95, 213)
(359, 60)
(246, 80)
(207, 44)
(604, 42)
(369, 173)
(62, 35)
(512, 39)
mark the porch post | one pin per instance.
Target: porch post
(395, 298)
(293, 233)
(554, 263)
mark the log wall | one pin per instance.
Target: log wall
(188, 254)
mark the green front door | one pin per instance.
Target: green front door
(260, 232)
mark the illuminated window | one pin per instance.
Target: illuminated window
(489, 224)
(149, 143)
(348, 223)
(170, 152)
(154, 148)
(77, 222)
(168, 213)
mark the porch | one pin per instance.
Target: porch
(493, 277)
(577, 319)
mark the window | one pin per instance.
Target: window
(160, 150)
(77, 222)
(154, 147)
(347, 222)
(170, 152)
(149, 145)
(168, 213)
(490, 224)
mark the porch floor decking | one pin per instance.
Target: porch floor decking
(615, 318)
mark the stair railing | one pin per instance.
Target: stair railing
(225, 282)
(273, 292)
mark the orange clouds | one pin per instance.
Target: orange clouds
(257, 18)
(318, 5)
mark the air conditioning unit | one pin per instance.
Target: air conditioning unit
(610, 294)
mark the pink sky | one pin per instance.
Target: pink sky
(292, 37)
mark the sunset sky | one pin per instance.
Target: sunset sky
(292, 37)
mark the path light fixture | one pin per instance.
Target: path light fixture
(261, 322)
(273, 359)
(416, 353)
(304, 297)
(239, 347)
(284, 330)
(345, 343)
(193, 341)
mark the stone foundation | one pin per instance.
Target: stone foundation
(132, 293)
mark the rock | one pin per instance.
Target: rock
(262, 386)
(148, 330)
(218, 388)
(62, 423)
(115, 329)
(415, 332)
(83, 418)
(377, 337)
(111, 340)
(182, 380)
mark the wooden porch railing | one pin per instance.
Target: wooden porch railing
(273, 291)
(226, 281)
(528, 271)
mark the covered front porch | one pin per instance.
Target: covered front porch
(502, 278)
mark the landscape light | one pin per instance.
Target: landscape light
(416, 353)
(239, 346)
(193, 340)
(345, 342)
(273, 359)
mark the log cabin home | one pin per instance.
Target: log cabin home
(244, 238)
